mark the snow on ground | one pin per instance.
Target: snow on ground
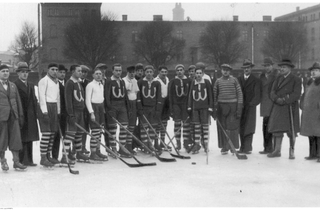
(224, 182)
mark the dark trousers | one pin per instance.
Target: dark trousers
(56, 142)
(25, 154)
(267, 137)
(246, 142)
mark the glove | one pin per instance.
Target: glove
(239, 111)
(72, 119)
(280, 101)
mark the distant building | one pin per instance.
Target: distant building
(311, 17)
(55, 17)
(9, 58)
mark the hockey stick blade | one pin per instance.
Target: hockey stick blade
(241, 157)
(180, 156)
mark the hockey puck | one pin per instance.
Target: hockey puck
(193, 163)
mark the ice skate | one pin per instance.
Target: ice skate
(18, 166)
(64, 163)
(114, 149)
(102, 156)
(196, 148)
(52, 160)
(95, 157)
(124, 154)
(4, 165)
(45, 163)
(82, 157)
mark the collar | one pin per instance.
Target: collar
(145, 79)
(199, 82)
(7, 82)
(184, 77)
(246, 77)
(74, 80)
(53, 79)
(285, 76)
(96, 82)
(114, 79)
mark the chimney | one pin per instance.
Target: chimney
(297, 8)
(267, 18)
(235, 18)
(157, 17)
(124, 17)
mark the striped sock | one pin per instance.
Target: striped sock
(177, 125)
(197, 132)
(163, 131)
(78, 141)
(144, 136)
(123, 134)
(44, 143)
(51, 141)
(186, 132)
(93, 143)
(68, 140)
(205, 132)
(113, 132)
(129, 136)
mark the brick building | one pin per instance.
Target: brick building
(55, 17)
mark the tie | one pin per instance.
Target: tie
(4, 83)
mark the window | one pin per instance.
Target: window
(53, 54)
(53, 31)
(134, 36)
(266, 33)
(179, 34)
(245, 35)
(70, 12)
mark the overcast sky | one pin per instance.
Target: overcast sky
(13, 14)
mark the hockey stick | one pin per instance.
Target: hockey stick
(123, 147)
(141, 143)
(74, 172)
(109, 150)
(240, 157)
(292, 143)
(174, 135)
(173, 155)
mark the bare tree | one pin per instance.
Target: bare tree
(25, 45)
(157, 44)
(220, 43)
(285, 40)
(91, 40)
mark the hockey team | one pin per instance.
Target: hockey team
(132, 113)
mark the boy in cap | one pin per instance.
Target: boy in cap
(11, 120)
(191, 72)
(149, 104)
(202, 66)
(165, 111)
(251, 87)
(74, 97)
(267, 78)
(228, 101)
(132, 90)
(94, 100)
(139, 71)
(116, 104)
(285, 94)
(29, 130)
(49, 102)
(310, 121)
(200, 107)
(179, 88)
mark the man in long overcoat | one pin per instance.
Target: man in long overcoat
(29, 130)
(310, 118)
(250, 86)
(267, 78)
(285, 94)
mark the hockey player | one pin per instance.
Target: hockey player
(149, 104)
(74, 98)
(178, 99)
(132, 90)
(116, 104)
(165, 111)
(95, 105)
(49, 101)
(200, 107)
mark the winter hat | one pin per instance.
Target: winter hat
(149, 67)
(179, 65)
(22, 66)
(226, 66)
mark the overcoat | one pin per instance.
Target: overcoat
(251, 98)
(266, 86)
(288, 88)
(29, 130)
(310, 105)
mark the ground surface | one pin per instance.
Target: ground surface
(224, 182)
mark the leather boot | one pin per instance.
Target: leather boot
(178, 147)
(45, 162)
(277, 149)
(16, 163)
(312, 149)
(52, 160)
(291, 150)
(4, 164)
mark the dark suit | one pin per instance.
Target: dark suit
(251, 98)
(11, 114)
(63, 122)
(29, 130)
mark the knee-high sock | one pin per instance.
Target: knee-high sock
(129, 136)
(205, 132)
(70, 137)
(51, 141)
(78, 141)
(144, 135)
(113, 132)
(177, 125)
(44, 143)
(93, 142)
(123, 134)
(186, 132)
(197, 132)
(163, 131)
